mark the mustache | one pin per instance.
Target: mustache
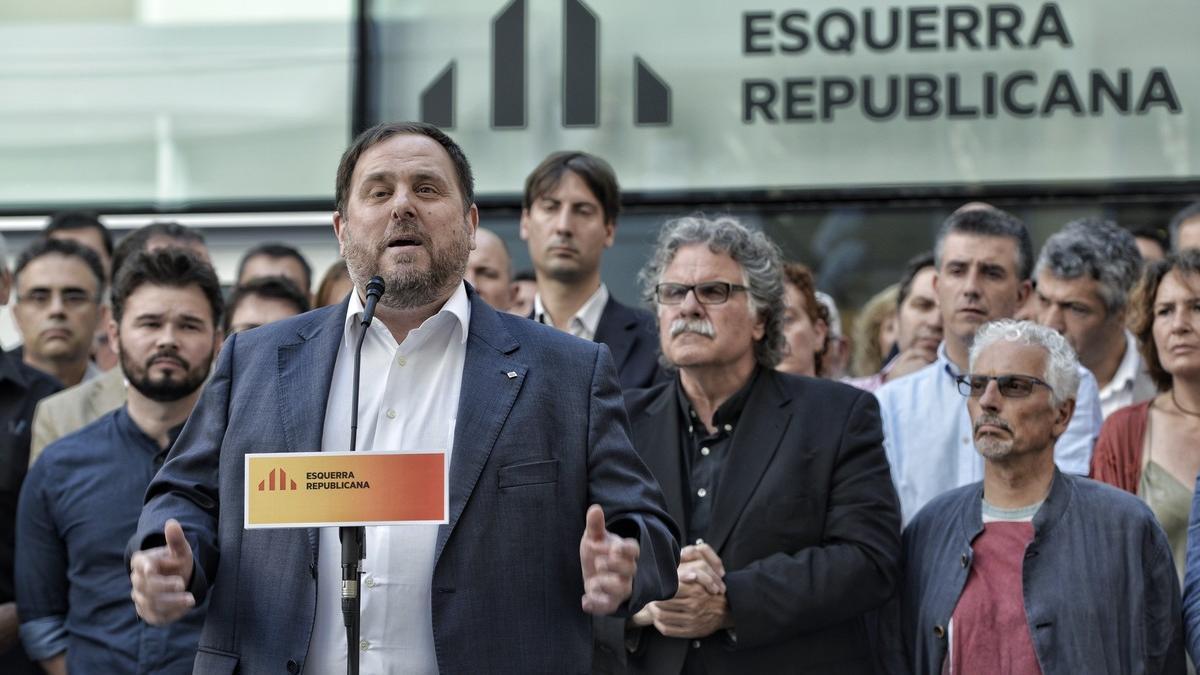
(170, 356)
(990, 420)
(699, 326)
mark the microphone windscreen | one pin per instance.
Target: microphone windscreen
(375, 286)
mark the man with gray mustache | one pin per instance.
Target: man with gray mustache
(1032, 570)
(779, 482)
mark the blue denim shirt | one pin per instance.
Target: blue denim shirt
(1100, 588)
(79, 506)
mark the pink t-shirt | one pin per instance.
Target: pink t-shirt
(989, 631)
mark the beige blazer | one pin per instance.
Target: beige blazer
(72, 409)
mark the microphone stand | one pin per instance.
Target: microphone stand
(354, 547)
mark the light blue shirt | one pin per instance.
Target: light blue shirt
(928, 439)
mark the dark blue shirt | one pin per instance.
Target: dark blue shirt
(79, 506)
(21, 387)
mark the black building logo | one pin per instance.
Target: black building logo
(580, 75)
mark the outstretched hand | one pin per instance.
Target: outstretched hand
(160, 577)
(609, 564)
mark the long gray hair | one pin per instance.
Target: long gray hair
(758, 256)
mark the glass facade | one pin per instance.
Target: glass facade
(174, 108)
(114, 105)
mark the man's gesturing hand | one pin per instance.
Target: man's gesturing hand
(609, 565)
(160, 578)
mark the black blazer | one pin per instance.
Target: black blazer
(632, 337)
(805, 519)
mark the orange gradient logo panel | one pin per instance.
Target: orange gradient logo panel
(326, 489)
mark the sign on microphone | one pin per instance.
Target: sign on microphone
(336, 489)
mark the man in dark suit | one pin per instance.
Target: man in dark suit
(779, 482)
(569, 216)
(538, 434)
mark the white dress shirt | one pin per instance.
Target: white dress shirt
(408, 401)
(586, 320)
(1131, 384)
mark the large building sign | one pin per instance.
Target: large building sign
(942, 31)
(693, 96)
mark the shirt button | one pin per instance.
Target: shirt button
(363, 645)
(966, 439)
(370, 582)
(702, 492)
(401, 361)
(695, 644)
(728, 427)
(689, 429)
(704, 451)
(699, 541)
(939, 632)
(391, 414)
(963, 560)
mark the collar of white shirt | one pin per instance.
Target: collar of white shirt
(1127, 372)
(457, 307)
(587, 318)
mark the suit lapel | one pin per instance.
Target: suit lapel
(616, 329)
(755, 442)
(491, 380)
(305, 369)
(656, 434)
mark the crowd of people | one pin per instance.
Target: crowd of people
(995, 476)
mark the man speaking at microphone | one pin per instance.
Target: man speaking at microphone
(552, 515)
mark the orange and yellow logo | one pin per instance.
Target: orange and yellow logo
(325, 489)
(284, 484)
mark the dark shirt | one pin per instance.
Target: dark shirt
(705, 454)
(21, 387)
(80, 505)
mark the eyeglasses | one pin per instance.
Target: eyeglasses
(1011, 386)
(707, 293)
(71, 297)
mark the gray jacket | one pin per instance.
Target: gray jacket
(1100, 588)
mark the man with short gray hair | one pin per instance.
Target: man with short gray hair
(1032, 570)
(984, 260)
(779, 482)
(1084, 275)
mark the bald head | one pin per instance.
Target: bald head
(489, 270)
(973, 206)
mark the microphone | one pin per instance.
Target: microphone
(354, 547)
(374, 293)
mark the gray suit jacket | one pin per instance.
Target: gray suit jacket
(72, 409)
(530, 454)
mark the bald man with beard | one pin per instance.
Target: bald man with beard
(489, 270)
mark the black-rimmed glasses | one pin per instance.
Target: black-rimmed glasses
(1011, 386)
(707, 293)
